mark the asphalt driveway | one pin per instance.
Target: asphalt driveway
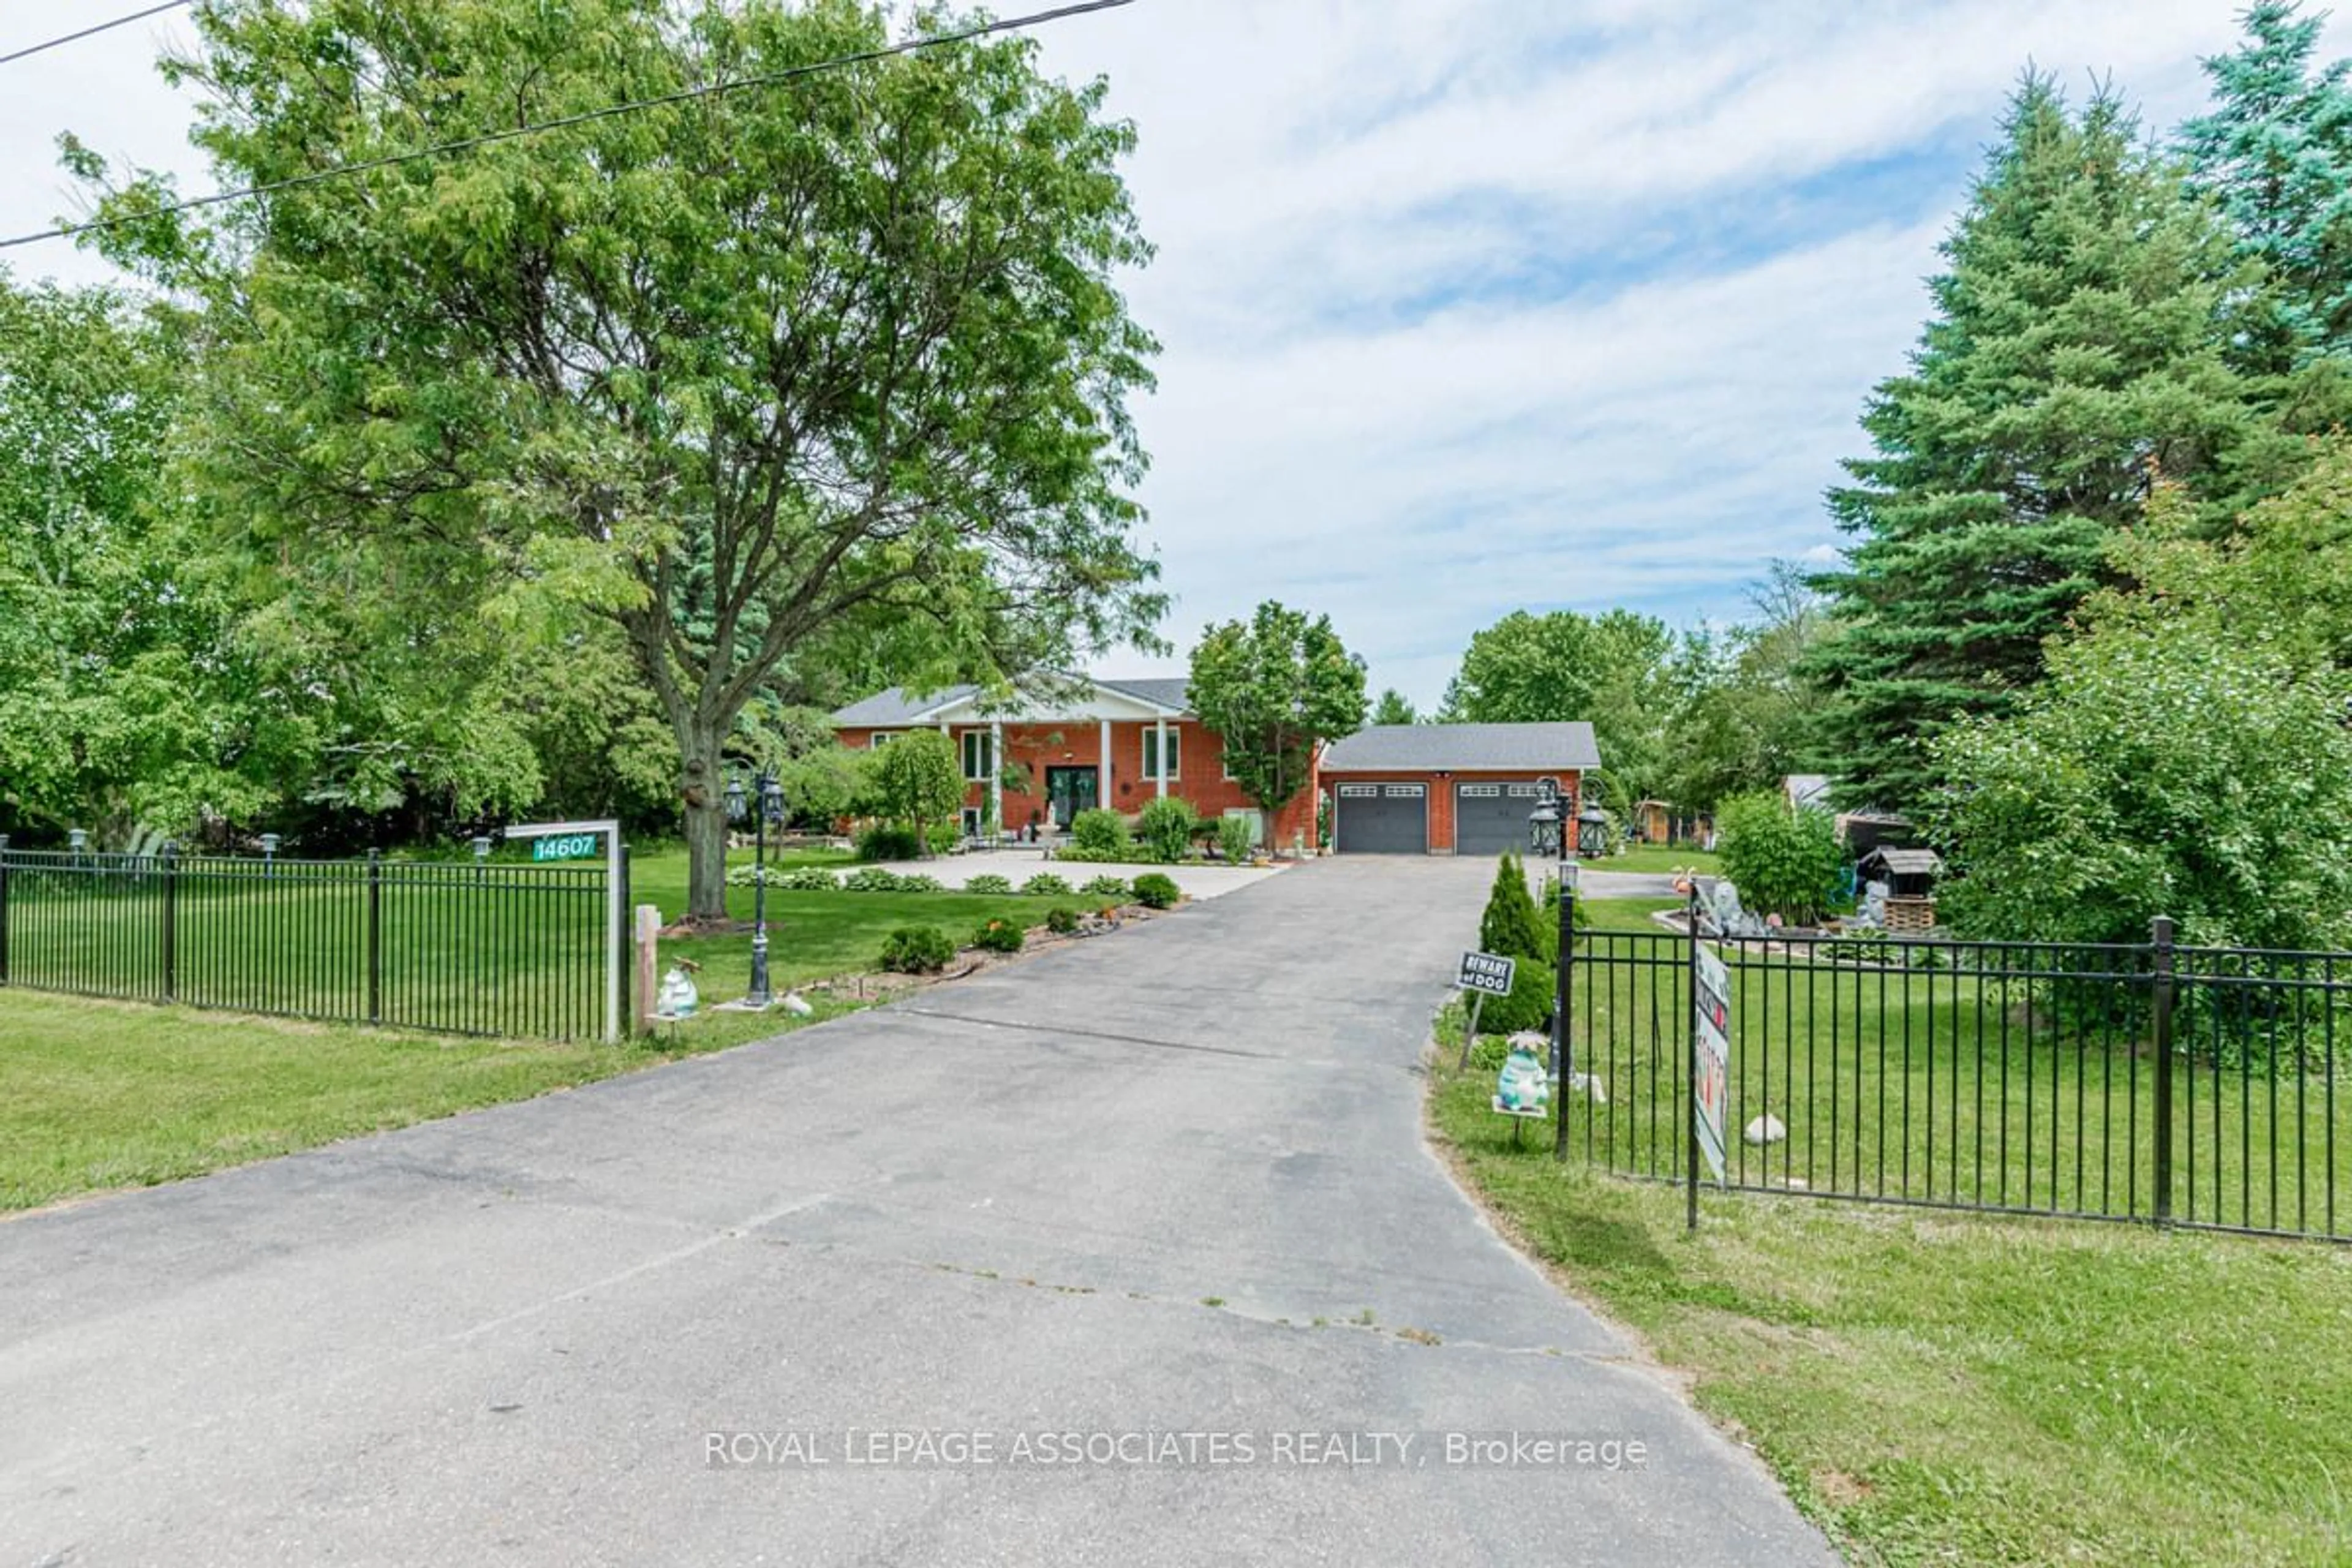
(1158, 1200)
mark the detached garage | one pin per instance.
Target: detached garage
(1448, 789)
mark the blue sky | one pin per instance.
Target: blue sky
(1468, 305)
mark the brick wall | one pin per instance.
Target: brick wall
(1199, 769)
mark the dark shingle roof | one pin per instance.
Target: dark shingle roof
(897, 705)
(1164, 693)
(1416, 747)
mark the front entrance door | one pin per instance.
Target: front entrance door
(1069, 790)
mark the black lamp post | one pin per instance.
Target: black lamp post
(769, 809)
(1553, 832)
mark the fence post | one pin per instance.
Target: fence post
(375, 936)
(3, 909)
(1690, 1057)
(624, 955)
(2162, 933)
(170, 921)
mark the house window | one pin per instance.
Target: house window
(1152, 755)
(979, 756)
(879, 736)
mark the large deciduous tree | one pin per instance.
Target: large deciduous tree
(1743, 713)
(2076, 350)
(1609, 669)
(779, 378)
(1275, 688)
(119, 707)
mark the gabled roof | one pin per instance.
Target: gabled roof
(1172, 693)
(898, 706)
(1413, 748)
(1906, 862)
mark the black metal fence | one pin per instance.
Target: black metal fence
(498, 949)
(2149, 1082)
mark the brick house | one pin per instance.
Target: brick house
(1436, 789)
(1087, 743)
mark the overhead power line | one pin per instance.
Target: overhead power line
(633, 106)
(93, 31)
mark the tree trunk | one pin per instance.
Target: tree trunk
(702, 791)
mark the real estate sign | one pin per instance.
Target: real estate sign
(1711, 1057)
(1485, 973)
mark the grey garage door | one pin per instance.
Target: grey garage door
(1489, 818)
(1382, 819)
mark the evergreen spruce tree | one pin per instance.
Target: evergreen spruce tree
(1510, 928)
(2074, 353)
(2275, 156)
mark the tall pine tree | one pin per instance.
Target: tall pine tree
(2074, 351)
(2275, 155)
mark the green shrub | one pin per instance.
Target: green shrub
(1237, 836)
(1165, 828)
(916, 949)
(1061, 920)
(943, 837)
(1511, 927)
(918, 882)
(1487, 1052)
(989, 883)
(1106, 887)
(871, 879)
(1046, 885)
(886, 841)
(1000, 936)
(1155, 892)
(1784, 862)
(1528, 1006)
(1100, 835)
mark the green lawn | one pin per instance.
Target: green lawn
(101, 1094)
(525, 963)
(817, 936)
(1660, 857)
(1938, 1388)
(1944, 1086)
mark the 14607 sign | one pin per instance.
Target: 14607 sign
(564, 847)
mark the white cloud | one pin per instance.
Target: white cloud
(1468, 304)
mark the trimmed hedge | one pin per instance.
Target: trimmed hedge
(1154, 890)
(1000, 936)
(1165, 826)
(883, 842)
(918, 949)
(1100, 835)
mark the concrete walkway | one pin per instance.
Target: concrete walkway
(1167, 1183)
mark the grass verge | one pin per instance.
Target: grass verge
(95, 1095)
(1939, 1388)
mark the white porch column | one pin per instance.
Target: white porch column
(1162, 768)
(996, 771)
(1102, 768)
